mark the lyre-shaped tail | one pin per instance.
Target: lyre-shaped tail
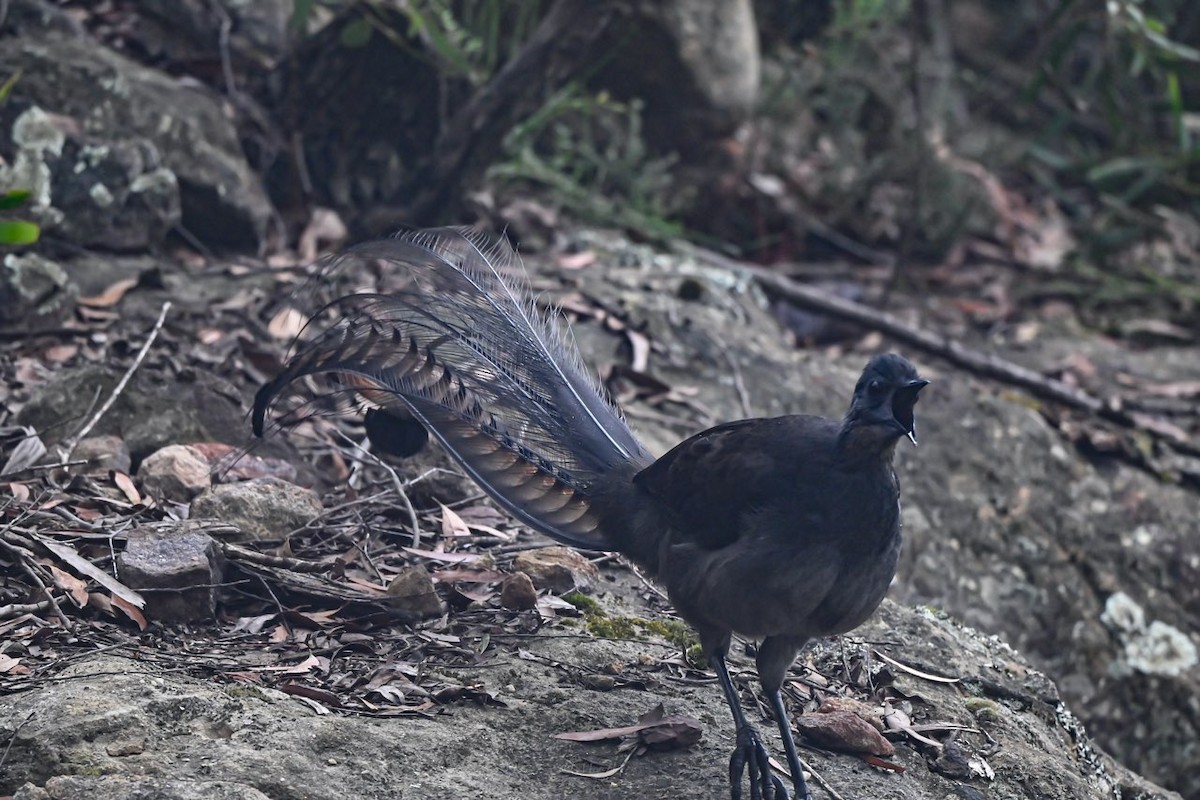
(464, 350)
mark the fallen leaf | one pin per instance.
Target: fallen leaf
(446, 558)
(287, 323)
(640, 345)
(845, 731)
(573, 261)
(110, 296)
(452, 524)
(876, 761)
(125, 484)
(654, 729)
(324, 226)
(130, 610)
(929, 676)
(72, 585)
(27, 452)
(86, 568)
(1177, 389)
(322, 696)
(61, 353)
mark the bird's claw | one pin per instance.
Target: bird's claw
(750, 753)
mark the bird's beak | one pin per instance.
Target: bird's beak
(903, 400)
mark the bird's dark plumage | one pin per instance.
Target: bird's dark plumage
(780, 529)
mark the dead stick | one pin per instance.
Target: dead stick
(68, 447)
(981, 363)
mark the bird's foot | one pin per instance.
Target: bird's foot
(751, 754)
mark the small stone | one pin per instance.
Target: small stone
(103, 453)
(176, 472)
(844, 731)
(864, 711)
(35, 292)
(31, 792)
(558, 569)
(412, 595)
(517, 593)
(177, 569)
(263, 508)
(131, 747)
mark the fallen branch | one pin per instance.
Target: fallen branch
(1111, 409)
(982, 363)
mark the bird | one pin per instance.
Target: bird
(778, 529)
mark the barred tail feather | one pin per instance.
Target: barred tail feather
(462, 349)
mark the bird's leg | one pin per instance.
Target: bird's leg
(775, 656)
(749, 752)
(789, 745)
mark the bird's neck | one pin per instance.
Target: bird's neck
(865, 445)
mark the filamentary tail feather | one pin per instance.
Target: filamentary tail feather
(463, 349)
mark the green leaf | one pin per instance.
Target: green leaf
(16, 232)
(13, 198)
(356, 34)
(302, 12)
(8, 85)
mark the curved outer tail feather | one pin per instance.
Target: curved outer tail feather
(463, 350)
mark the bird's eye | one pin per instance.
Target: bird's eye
(875, 386)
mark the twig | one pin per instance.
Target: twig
(13, 738)
(739, 381)
(36, 468)
(396, 483)
(68, 447)
(236, 552)
(824, 783)
(26, 563)
(16, 609)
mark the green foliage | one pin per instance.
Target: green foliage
(472, 39)
(14, 199)
(7, 87)
(587, 154)
(1113, 80)
(15, 232)
(582, 153)
(18, 232)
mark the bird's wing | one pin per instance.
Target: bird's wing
(710, 482)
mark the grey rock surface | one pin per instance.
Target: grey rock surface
(178, 569)
(117, 728)
(695, 63)
(262, 508)
(116, 102)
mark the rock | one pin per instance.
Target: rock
(192, 33)
(111, 787)
(133, 129)
(103, 453)
(260, 741)
(517, 592)
(150, 414)
(111, 193)
(844, 731)
(35, 292)
(178, 569)
(263, 508)
(176, 472)
(412, 595)
(558, 569)
(695, 64)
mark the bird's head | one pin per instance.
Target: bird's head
(882, 409)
